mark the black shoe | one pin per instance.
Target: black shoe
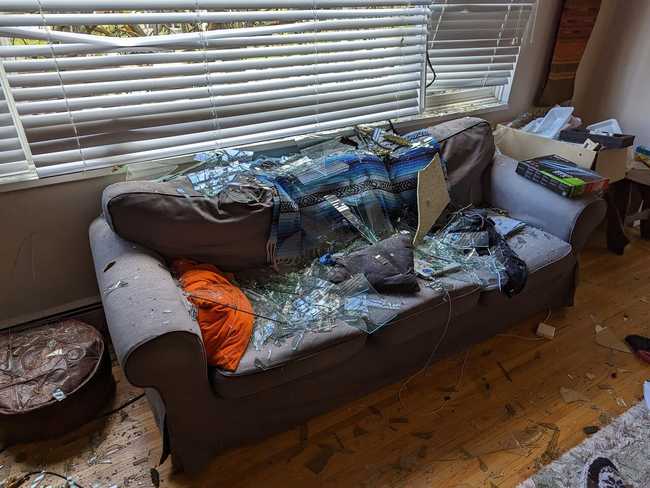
(601, 473)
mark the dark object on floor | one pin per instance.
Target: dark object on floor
(601, 473)
(591, 429)
(513, 280)
(388, 265)
(53, 379)
(640, 345)
(155, 477)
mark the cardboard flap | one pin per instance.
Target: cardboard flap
(520, 145)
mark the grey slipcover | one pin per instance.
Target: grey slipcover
(200, 414)
(231, 229)
(467, 148)
(258, 370)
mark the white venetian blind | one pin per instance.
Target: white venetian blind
(474, 43)
(15, 158)
(138, 80)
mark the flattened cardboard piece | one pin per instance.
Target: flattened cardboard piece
(606, 338)
(433, 197)
(520, 145)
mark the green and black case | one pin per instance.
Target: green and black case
(562, 176)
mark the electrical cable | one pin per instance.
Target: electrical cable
(433, 352)
(435, 75)
(121, 407)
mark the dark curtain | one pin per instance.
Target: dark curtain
(576, 22)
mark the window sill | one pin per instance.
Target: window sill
(65, 178)
(151, 169)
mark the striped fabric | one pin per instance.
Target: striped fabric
(406, 161)
(377, 183)
(305, 224)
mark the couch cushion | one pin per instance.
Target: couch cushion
(424, 310)
(545, 255)
(548, 258)
(278, 364)
(467, 148)
(538, 248)
(230, 230)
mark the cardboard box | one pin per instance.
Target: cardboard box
(520, 145)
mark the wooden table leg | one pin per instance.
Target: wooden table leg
(645, 222)
(617, 197)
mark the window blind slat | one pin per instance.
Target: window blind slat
(253, 102)
(459, 63)
(407, 38)
(10, 144)
(327, 80)
(111, 149)
(188, 69)
(205, 117)
(35, 20)
(92, 100)
(75, 5)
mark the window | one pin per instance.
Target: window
(473, 47)
(144, 80)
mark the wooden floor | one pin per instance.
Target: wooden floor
(487, 417)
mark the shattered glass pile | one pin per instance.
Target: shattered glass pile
(289, 305)
(338, 196)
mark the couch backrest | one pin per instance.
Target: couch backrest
(467, 148)
(232, 229)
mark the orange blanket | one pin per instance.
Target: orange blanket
(224, 313)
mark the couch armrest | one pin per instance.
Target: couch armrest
(148, 306)
(572, 220)
(157, 342)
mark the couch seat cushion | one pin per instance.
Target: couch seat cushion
(274, 365)
(541, 251)
(538, 248)
(428, 308)
(545, 255)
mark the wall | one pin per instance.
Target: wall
(45, 261)
(613, 80)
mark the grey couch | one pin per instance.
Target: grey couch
(201, 411)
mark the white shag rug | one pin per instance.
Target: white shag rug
(626, 442)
